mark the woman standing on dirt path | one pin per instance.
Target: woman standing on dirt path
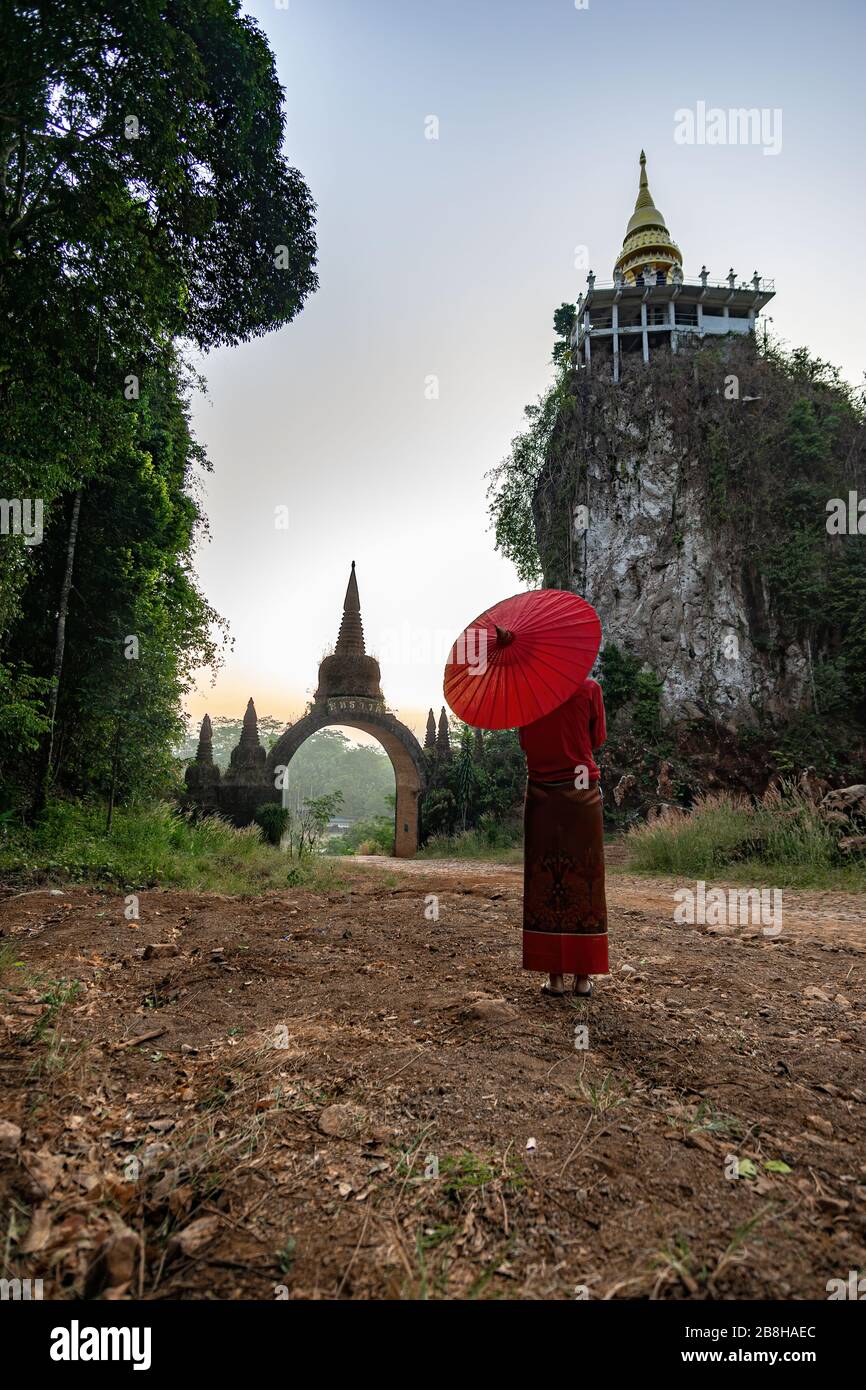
(524, 664)
(564, 909)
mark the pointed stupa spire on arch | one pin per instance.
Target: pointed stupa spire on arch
(349, 670)
(430, 736)
(350, 640)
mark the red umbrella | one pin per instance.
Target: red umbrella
(522, 658)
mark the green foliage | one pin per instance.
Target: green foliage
(564, 319)
(273, 820)
(772, 466)
(513, 483)
(466, 775)
(118, 714)
(628, 684)
(308, 824)
(501, 776)
(483, 785)
(619, 674)
(148, 847)
(370, 836)
(440, 811)
(111, 250)
(362, 773)
(781, 840)
(842, 677)
(501, 841)
(193, 208)
(716, 448)
(22, 721)
(647, 713)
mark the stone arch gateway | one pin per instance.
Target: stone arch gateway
(349, 694)
(406, 760)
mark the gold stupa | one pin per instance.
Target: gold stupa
(647, 239)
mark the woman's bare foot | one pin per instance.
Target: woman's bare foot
(583, 985)
(555, 985)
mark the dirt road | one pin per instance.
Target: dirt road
(362, 1095)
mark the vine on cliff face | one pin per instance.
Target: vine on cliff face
(514, 481)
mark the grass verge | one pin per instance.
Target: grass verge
(151, 847)
(781, 840)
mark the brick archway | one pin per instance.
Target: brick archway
(348, 693)
(401, 745)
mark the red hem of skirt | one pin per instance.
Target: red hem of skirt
(565, 953)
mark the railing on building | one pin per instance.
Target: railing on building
(695, 282)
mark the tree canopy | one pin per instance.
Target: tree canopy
(146, 203)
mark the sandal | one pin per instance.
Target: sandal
(583, 993)
(553, 993)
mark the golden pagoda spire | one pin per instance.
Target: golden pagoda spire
(644, 197)
(647, 239)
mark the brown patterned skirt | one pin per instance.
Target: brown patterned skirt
(564, 909)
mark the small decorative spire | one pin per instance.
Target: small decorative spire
(430, 736)
(250, 726)
(248, 756)
(204, 752)
(443, 739)
(202, 776)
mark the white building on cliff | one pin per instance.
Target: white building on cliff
(650, 303)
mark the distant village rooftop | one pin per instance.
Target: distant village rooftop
(650, 302)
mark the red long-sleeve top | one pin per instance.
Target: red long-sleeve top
(561, 743)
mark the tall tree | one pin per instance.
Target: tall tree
(144, 195)
(467, 774)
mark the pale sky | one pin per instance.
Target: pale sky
(447, 257)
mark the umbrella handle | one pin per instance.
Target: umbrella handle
(504, 638)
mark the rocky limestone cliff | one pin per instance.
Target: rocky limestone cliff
(673, 505)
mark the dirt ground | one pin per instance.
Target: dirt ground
(346, 1095)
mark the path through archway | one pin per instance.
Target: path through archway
(403, 749)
